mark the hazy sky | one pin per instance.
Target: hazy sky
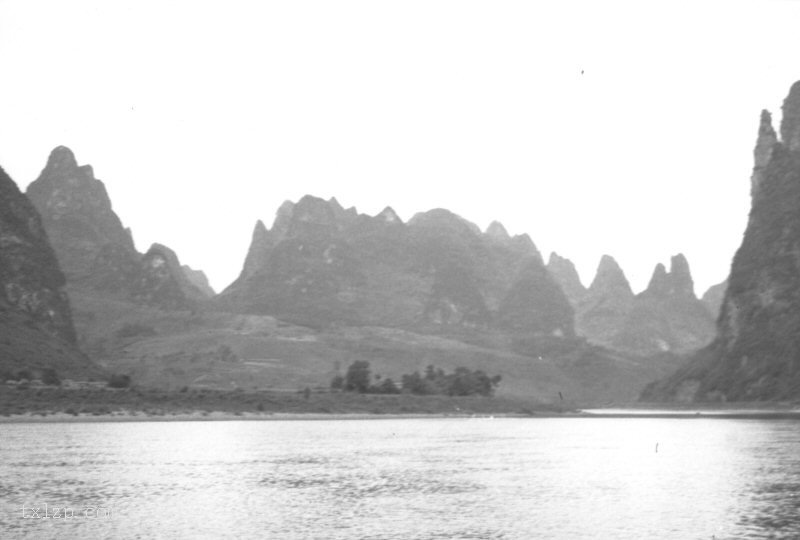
(597, 127)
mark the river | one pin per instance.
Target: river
(438, 478)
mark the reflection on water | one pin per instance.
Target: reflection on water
(774, 491)
(568, 478)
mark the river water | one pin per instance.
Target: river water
(505, 478)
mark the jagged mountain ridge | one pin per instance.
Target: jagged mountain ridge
(322, 264)
(667, 316)
(96, 252)
(754, 355)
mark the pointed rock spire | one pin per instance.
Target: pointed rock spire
(610, 277)
(765, 144)
(659, 283)
(260, 246)
(89, 239)
(681, 277)
(62, 158)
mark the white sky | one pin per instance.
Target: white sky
(201, 117)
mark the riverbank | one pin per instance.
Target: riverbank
(55, 404)
(35, 404)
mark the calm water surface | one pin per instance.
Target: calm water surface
(569, 478)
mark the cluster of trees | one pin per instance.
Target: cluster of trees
(461, 382)
(358, 378)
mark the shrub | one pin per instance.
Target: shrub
(119, 381)
(50, 377)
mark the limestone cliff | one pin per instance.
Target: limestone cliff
(35, 317)
(757, 346)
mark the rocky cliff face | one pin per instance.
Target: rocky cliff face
(96, 252)
(35, 317)
(756, 350)
(565, 274)
(322, 265)
(713, 298)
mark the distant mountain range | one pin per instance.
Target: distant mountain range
(326, 285)
(667, 316)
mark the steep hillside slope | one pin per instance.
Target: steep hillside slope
(36, 329)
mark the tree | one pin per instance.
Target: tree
(50, 377)
(357, 378)
(337, 383)
(462, 382)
